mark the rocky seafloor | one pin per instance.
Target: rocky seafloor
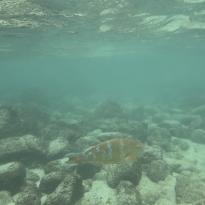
(35, 143)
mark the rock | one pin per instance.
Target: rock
(129, 171)
(154, 193)
(181, 132)
(170, 124)
(159, 136)
(5, 198)
(151, 153)
(142, 112)
(11, 174)
(67, 192)
(190, 188)
(20, 120)
(29, 196)
(198, 136)
(26, 148)
(9, 122)
(158, 170)
(58, 148)
(180, 143)
(128, 194)
(87, 171)
(100, 193)
(109, 109)
(32, 176)
(192, 121)
(59, 165)
(50, 181)
(200, 110)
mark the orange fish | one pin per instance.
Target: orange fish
(110, 152)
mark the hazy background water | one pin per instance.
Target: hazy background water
(162, 73)
(60, 63)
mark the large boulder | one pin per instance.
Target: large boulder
(12, 176)
(24, 148)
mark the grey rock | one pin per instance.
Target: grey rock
(158, 170)
(50, 181)
(67, 192)
(198, 136)
(29, 196)
(12, 176)
(128, 194)
(129, 171)
(26, 148)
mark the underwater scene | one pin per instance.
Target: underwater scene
(102, 102)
